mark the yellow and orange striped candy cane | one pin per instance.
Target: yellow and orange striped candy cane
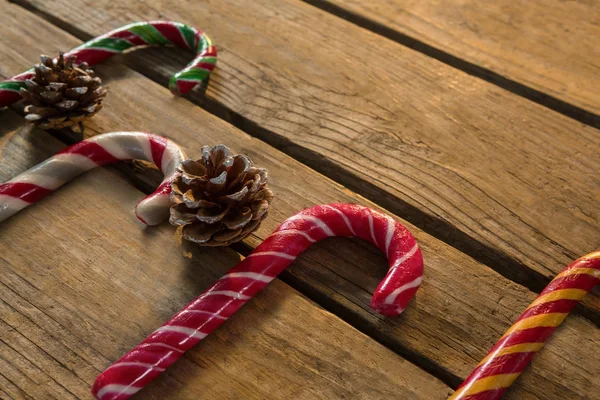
(513, 352)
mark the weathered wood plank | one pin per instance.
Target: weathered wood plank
(82, 282)
(497, 176)
(550, 45)
(463, 306)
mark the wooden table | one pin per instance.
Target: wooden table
(475, 124)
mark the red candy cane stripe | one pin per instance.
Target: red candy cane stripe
(41, 180)
(513, 352)
(213, 307)
(131, 36)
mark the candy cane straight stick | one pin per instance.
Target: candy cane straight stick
(507, 359)
(203, 315)
(44, 178)
(132, 36)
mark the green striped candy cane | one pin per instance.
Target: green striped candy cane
(131, 36)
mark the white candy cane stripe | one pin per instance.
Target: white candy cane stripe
(157, 344)
(317, 221)
(370, 218)
(136, 364)
(295, 232)
(192, 333)
(44, 178)
(250, 275)
(254, 272)
(10, 205)
(212, 315)
(344, 217)
(389, 234)
(406, 256)
(116, 389)
(410, 285)
(228, 293)
(272, 253)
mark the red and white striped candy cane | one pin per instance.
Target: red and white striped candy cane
(213, 307)
(44, 178)
(132, 36)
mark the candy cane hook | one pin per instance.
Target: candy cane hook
(213, 307)
(513, 352)
(132, 36)
(44, 178)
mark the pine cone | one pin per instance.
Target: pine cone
(219, 199)
(60, 94)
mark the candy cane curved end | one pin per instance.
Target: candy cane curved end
(132, 36)
(405, 274)
(41, 180)
(514, 351)
(219, 302)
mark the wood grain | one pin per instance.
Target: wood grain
(506, 180)
(549, 45)
(463, 306)
(82, 282)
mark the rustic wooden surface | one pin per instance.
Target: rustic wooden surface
(82, 283)
(503, 179)
(461, 310)
(549, 45)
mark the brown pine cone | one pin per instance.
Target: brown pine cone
(60, 94)
(219, 199)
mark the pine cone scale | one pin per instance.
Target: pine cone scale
(234, 197)
(67, 105)
(239, 219)
(181, 216)
(51, 97)
(33, 117)
(193, 201)
(226, 236)
(205, 215)
(217, 183)
(199, 233)
(75, 93)
(41, 111)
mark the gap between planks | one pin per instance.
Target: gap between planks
(386, 329)
(342, 311)
(147, 179)
(503, 263)
(87, 272)
(478, 71)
